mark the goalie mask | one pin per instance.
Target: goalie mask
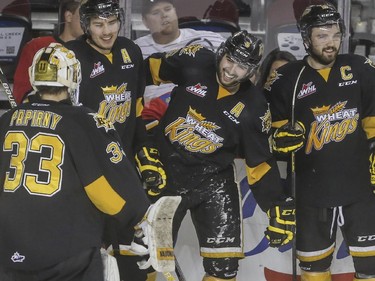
(318, 15)
(243, 48)
(99, 8)
(56, 66)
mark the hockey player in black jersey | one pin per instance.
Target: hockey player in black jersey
(113, 85)
(215, 115)
(61, 169)
(332, 97)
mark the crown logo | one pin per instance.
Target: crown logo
(320, 110)
(109, 90)
(195, 115)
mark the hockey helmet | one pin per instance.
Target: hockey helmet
(319, 15)
(99, 8)
(243, 48)
(56, 66)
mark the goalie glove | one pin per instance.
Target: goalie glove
(282, 223)
(151, 170)
(288, 139)
(372, 167)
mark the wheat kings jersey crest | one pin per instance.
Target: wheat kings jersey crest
(337, 107)
(113, 86)
(205, 127)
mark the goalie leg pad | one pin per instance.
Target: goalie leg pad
(157, 228)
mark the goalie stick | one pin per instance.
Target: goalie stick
(293, 179)
(7, 89)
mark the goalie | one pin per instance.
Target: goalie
(62, 170)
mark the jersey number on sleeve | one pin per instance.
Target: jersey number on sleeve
(49, 150)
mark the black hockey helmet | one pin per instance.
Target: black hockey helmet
(319, 15)
(101, 9)
(243, 48)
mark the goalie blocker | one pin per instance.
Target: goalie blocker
(153, 235)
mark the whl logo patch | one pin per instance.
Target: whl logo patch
(97, 70)
(307, 89)
(197, 90)
(17, 257)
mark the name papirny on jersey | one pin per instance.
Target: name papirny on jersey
(116, 106)
(194, 133)
(332, 123)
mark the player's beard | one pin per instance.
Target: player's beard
(229, 85)
(324, 58)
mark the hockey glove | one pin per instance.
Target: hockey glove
(288, 139)
(282, 223)
(372, 169)
(151, 170)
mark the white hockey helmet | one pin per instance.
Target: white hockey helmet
(56, 66)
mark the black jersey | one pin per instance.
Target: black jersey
(114, 88)
(62, 169)
(205, 127)
(337, 107)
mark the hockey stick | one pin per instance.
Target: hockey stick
(293, 179)
(7, 89)
(179, 272)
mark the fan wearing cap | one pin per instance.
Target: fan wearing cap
(69, 28)
(332, 97)
(215, 115)
(113, 85)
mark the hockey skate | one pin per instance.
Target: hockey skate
(153, 235)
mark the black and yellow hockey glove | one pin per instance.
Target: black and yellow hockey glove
(288, 139)
(282, 223)
(151, 170)
(372, 169)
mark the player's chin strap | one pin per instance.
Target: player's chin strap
(154, 237)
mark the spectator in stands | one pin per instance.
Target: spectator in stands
(69, 28)
(160, 17)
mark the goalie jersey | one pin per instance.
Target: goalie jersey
(206, 127)
(62, 170)
(337, 108)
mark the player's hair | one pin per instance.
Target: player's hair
(244, 48)
(265, 66)
(148, 4)
(99, 8)
(56, 66)
(318, 15)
